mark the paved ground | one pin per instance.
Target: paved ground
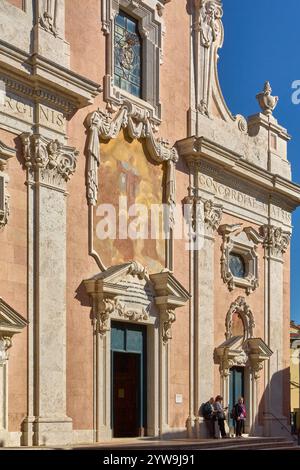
(249, 443)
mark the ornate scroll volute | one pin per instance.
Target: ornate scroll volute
(168, 317)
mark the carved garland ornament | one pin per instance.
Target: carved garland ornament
(106, 307)
(102, 125)
(52, 162)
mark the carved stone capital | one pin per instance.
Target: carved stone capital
(212, 215)
(276, 240)
(168, 318)
(48, 160)
(5, 344)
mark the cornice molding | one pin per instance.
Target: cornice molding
(196, 150)
(38, 78)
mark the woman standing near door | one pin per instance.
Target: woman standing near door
(239, 417)
(220, 412)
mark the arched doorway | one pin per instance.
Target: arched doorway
(240, 358)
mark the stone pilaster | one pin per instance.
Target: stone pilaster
(276, 242)
(49, 166)
(204, 306)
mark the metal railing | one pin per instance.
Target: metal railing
(283, 426)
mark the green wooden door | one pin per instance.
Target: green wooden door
(128, 377)
(236, 387)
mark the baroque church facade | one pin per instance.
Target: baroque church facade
(103, 105)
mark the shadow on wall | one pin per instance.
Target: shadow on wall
(273, 418)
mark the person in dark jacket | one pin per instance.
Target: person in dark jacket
(220, 413)
(240, 415)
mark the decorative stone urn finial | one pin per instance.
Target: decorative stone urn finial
(266, 101)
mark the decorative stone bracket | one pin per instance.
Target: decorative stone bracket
(170, 294)
(5, 154)
(127, 292)
(47, 160)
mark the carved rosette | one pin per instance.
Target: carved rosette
(168, 318)
(276, 240)
(102, 125)
(5, 344)
(48, 161)
(212, 215)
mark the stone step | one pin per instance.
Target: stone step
(257, 446)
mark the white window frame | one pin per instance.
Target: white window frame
(148, 13)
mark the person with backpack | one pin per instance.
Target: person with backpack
(239, 414)
(209, 416)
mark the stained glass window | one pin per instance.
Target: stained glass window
(237, 265)
(128, 54)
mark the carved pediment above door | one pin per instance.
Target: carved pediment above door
(126, 292)
(11, 323)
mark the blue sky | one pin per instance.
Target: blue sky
(262, 42)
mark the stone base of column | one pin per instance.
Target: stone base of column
(10, 439)
(52, 431)
(201, 428)
(277, 428)
(104, 433)
(27, 431)
(189, 427)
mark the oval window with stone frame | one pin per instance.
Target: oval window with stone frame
(237, 265)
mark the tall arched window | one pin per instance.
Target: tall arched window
(128, 54)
